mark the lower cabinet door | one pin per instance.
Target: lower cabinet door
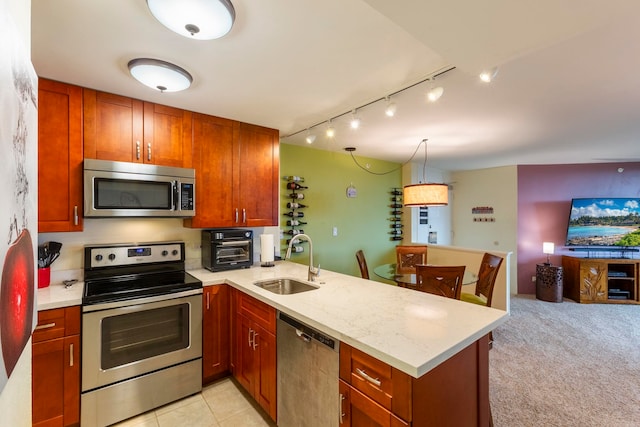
(215, 332)
(358, 410)
(266, 371)
(56, 382)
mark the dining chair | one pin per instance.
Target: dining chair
(362, 263)
(443, 280)
(407, 257)
(487, 275)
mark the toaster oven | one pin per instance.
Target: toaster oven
(227, 249)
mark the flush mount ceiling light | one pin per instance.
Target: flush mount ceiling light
(426, 194)
(391, 109)
(487, 76)
(196, 19)
(160, 75)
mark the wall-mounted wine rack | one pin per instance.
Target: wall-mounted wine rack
(294, 211)
(396, 214)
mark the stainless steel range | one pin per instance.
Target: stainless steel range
(141, 330)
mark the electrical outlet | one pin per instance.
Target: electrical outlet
(533, 278)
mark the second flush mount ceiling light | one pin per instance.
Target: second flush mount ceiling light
(196, 19)
(160, 75)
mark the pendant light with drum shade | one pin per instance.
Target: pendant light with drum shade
(425, 194)
(160, 75)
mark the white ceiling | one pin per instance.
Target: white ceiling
(566, 91)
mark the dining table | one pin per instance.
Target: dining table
(388, 272)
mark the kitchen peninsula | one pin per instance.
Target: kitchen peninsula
(435, 349)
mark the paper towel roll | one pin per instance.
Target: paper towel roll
(266, 249)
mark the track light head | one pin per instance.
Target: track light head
(487, 76)
(435, 93)
(390, 111)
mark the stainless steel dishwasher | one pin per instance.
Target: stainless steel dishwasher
(308, 370)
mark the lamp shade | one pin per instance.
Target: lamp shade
(160, 75)
(426, 195)
(196, 19)
(547, 248)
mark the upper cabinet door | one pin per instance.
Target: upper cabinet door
(167, 136)
(113, 127)
(212, 152)
(129, 130)
(258, 162)
(59, 157)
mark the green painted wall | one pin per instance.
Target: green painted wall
(362, 222)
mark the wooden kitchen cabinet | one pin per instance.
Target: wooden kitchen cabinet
(237, 167)
(59, 157)
(454, 393)
(129, 130)
(254, 349)
(56, 368)
(215, 332)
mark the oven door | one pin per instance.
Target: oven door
(231, 254)
(124, 342)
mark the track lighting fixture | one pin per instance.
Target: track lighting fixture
(355, 120)
(435, 92)
(487, 76)
(310, 138)
(331, 132)
(390, 111)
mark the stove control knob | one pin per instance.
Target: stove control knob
(98, 257)
(174, 252)
(165, 253)
(112, 257)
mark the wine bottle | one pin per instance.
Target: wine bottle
(297, 248)
(294, 232)
(395, 205)
(396, 238)
(295, 205)
(396, 232)
(295, 214)
(293, 178)
(396, 212)
(396, 225)
(295, 186)
(396, 192)
(299, 196)
(295, 222)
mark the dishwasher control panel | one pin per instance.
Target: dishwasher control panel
(309, 332)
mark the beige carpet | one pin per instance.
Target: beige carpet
(566, 364)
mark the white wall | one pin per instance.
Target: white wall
(15, 398)
(496, 188)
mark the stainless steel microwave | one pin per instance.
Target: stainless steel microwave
(121, 189)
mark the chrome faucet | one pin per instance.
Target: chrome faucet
(314, 272)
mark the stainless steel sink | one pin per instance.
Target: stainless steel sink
(285, 286)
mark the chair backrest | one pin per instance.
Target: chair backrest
(407, 257)
(440, 279)
(487, 275)
(362, 263)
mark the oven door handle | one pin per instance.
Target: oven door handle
(234, 243)
(175, 195)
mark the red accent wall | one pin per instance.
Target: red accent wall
(544, 200)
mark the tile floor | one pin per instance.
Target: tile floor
(221, 404)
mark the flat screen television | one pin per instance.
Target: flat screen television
(604, 221)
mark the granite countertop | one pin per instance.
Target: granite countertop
(412, 331)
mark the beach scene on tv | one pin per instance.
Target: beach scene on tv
(604, 222)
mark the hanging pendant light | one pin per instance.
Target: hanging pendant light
(160, 75)
(195, 19)
(427, 194)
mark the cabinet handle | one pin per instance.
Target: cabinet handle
(71, 354)
(250, 337)
(255, 342)
(236, 215)
(137, 150)
(342, 414)
(46, 326)
(363, 374)
(75, 215)
(244, 216)
(149, 151)
(207, 301)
